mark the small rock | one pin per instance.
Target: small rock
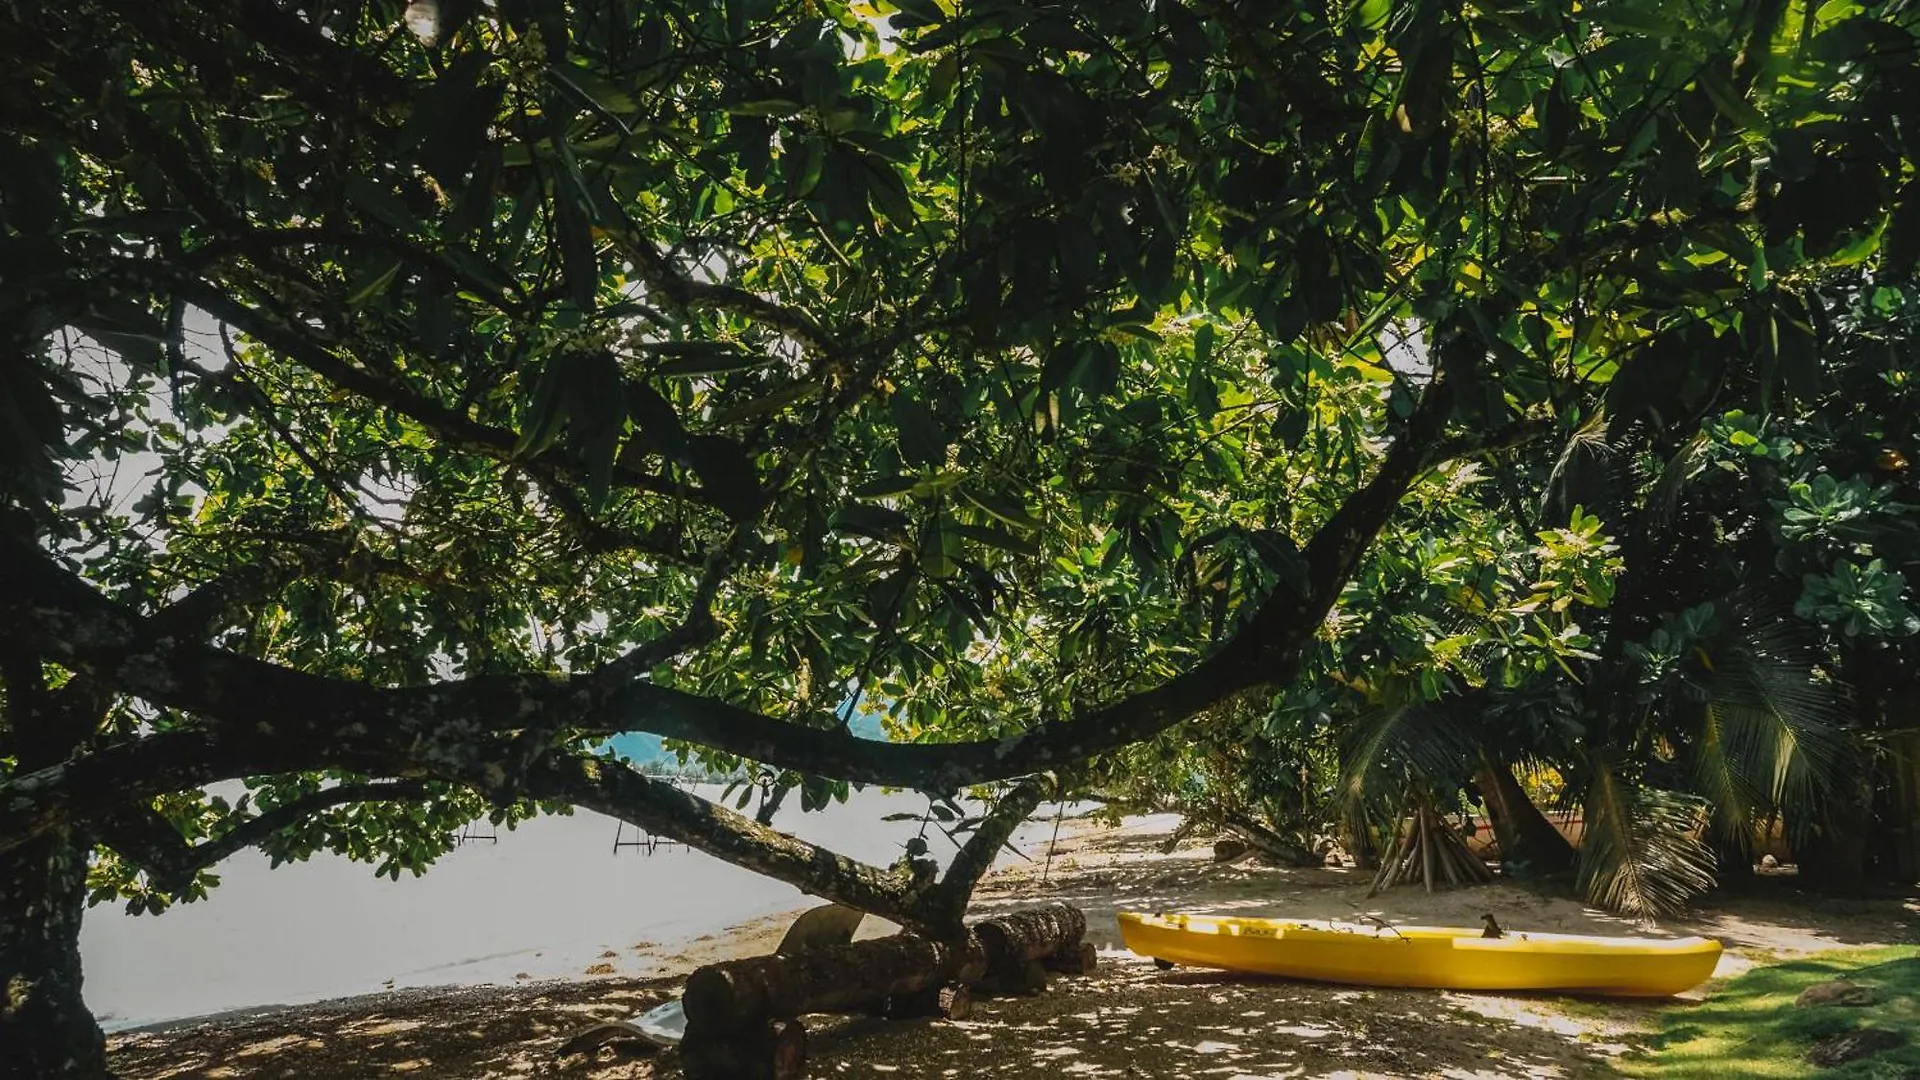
(1768, 862)
(1836, 992)
(1837, 1050)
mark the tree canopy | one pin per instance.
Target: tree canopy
(402, 398)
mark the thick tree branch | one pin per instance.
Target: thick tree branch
(613, 789)
(684, 292)
(152, 843)
(93, 786)
(78, 627)
(947, 902)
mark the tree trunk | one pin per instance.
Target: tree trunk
(1529, 844)
(46, 1029)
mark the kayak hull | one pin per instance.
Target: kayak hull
(1432, 957)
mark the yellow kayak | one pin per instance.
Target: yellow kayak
(1437, 957)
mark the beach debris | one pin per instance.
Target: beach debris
(1432, 851)
(743, 1016)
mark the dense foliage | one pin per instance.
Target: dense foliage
(402, 398)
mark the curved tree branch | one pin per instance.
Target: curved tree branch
(946, 904)
(153, 844)
(610, 788)
(69, 622)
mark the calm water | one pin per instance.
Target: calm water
(547, 901)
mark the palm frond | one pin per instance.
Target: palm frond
(1773, 737)
(1388, 746)
(1680, 469)
(1584, 472)
(1641, 853)
(1723, 778)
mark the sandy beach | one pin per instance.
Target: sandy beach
(1126, 1020)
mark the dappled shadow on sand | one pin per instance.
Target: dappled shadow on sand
(1126, 1021)
(1132, 1021)
(437, 1032)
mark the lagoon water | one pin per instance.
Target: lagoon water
(546, 901)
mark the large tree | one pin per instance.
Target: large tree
(400, 398)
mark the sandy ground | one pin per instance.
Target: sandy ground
(1127, 1020)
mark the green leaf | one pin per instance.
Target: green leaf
(577, 256)
(767, 107)
(999, 538)
(877, 522)
(938, 557)
(923, 436)
(1901, 242)
(1371, 14)
(889, 194)
(1797, 351)
(657, 424)
(375, 285)
(1202, 393)
(766, 404)
(803, 165)
(695, 359)
(886, 487)
(918, 13)
(543, 420)
(1728, 100)
(1003, 509)
(447, 126)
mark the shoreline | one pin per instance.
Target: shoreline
(550, 900)
(1127, 1015)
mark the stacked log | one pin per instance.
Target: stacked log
(743, 1015)
(1019, 946)
(738, 994)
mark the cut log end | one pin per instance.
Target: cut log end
(1081, 959)
(777, 1050)
(954, 1002)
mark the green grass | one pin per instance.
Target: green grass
(1750, 1027)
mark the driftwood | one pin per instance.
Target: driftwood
(738, 995)
(1431, 850)
(1017, 946)
(743, 1015)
